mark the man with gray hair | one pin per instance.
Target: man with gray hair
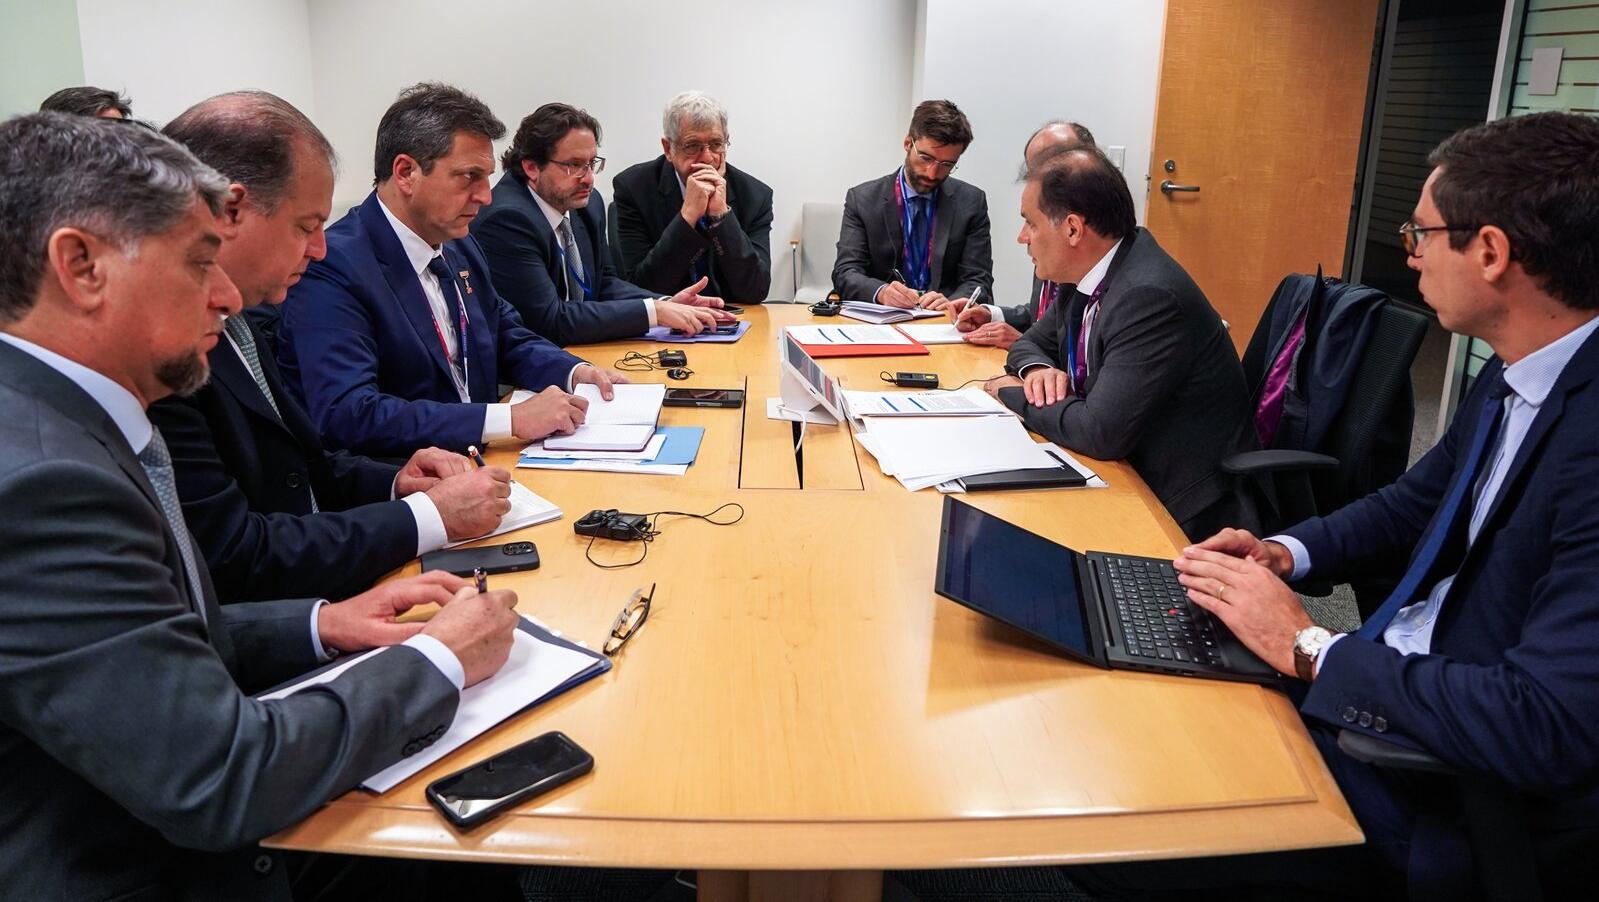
(991, 324)
(137, 761)
(273, 511)
(689, 214)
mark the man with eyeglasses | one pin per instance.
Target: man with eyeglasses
(545, 238)
(397, 339)
(689, 214)
(917, 237)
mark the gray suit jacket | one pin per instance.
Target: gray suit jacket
(871, 241)
(1165, 389)
(136, 766)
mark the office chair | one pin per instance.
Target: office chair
(1365, 446)
(1504, 857)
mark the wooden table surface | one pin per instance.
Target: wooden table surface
(800, 699)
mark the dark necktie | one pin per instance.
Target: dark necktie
(1075, 314)
(157, 463)
(441, 271)
(239, 331)
(574, 259)
(918, 239)
(1455, 504)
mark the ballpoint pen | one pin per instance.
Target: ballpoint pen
(472, 452)
(481, 578)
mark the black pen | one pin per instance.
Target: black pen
(481, 578)
(472, 452)
(900, 278)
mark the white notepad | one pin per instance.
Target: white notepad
(602, 437)
(528, 508)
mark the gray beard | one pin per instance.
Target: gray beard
(184, 375)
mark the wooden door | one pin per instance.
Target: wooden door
(1260, 107)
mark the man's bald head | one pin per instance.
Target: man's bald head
(1053, 137)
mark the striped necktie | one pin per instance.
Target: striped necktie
(239, 331)
(157, 463)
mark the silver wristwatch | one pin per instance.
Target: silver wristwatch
(1308, 644)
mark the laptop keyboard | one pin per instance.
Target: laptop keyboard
(1157, 619)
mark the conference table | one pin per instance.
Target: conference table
(802, 712)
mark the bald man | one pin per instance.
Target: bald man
(991, 324)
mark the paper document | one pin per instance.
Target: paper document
(649, 453)
(970, 401)
(679, 446)
(924, 451)
(527, 509)
(935, 333)
(631, 405)
(848, 335)
(534, 669)
(868, 312)
(603, 437)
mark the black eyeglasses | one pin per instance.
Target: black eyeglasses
(630, 621)
(1410, 234)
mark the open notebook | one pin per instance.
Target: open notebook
(624, 423)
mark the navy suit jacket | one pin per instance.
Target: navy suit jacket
(359, 348)
(246, 477)
(521, 249)
(1511, 688)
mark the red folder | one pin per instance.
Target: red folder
(915, 347)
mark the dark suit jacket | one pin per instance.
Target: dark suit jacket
(135, 764)
(1511, 688)
(1165, 390)
(358, 346)
(871, 241)
(521, 250)
(659, 249)
(246, 477)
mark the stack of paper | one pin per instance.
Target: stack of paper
(868, 312)
(624, 423)
(935, 333)
(848, 335)
(966, 402)
(923, 451)
(954, 486)
(668, 453)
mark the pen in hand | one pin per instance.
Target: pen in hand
(472, 452)
(481, 579)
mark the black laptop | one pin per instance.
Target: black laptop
(1114, 610)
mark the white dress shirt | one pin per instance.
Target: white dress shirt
(1088, 284)
(555, 218)
(1530, 380)
(430, 532)
(134, 424)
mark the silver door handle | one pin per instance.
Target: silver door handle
(1168, 186)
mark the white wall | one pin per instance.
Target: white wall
(818, 92)
(168, 54)
(39, 53)
(1011, 65)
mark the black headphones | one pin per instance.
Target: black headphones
(829, 307)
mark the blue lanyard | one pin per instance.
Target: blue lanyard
(920, 270)
(463, 338)
(588, 293)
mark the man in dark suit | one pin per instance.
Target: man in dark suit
(275, 514)
(690, 214)
(544, 236)
(137, 765)
(1483, 656)
(1134, 363)
(398, 340)
(999, 327)
(917, 237)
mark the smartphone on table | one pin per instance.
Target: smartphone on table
(508, 558)
(469, 797)
(704, 397)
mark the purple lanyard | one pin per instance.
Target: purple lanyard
(1077, 348)
(918, 270)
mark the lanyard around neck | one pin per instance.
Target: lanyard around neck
(462, 379)
(919, 269)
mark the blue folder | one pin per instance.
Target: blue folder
(681, 447)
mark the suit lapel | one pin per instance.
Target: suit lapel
(229, 373)
(587, 244)
(892, 224)
(943, 214)
(404, 282)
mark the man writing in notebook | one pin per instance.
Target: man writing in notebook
(999, 327)
(129, 737)
(275, 514)
(1483, 655)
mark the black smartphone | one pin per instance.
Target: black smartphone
(471, 796)
(704, 397)
(507, 558)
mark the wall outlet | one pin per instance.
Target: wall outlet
(1117, 154)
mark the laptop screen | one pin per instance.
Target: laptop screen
(1011, 574)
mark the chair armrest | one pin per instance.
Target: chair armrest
(1250, 462)
(1381, 753)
